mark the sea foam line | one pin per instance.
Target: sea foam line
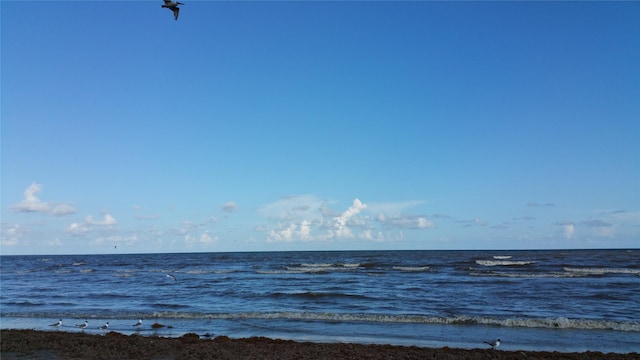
(549, 323)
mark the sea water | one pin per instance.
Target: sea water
(564, 300)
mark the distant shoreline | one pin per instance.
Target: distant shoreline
(32, 344)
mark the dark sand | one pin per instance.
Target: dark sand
(30, 344)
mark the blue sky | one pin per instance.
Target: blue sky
(308, 125)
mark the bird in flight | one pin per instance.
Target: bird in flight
(173, 6)
(171, 276)
(493, 344)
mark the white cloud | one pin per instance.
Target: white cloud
(406, 221)
(12, 235)
(569, 230)
(107, 221)
(229, 207)
(31, 203)
(205, 238)
(341, 229)
(77, 229)
(307, 218)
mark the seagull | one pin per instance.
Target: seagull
(173, 6)
(173, 277)
(58, 324)
(493, 344)
(138, 324)
(105, 326)
(83, 326)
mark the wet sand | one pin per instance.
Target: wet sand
(31, 344)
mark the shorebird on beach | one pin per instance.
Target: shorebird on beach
(493, 344)
(173, 6)
(105, 326)
(57, 324)
(138, 324)
(83, 326)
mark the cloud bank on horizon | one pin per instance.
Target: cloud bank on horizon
(290, 223)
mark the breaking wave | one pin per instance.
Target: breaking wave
(503, 263)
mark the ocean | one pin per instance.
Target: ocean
(558, 300)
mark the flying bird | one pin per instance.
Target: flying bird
(171, 276)
(173, 6)
(493, 344)
(57, 324)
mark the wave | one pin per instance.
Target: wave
(502, 257)
(526, 275)
(314, 295)
(412, 268)
(503, 263)
(602, 271)
(547, 323)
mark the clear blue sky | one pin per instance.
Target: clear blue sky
(309, 125)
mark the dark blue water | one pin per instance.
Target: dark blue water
(574, 300)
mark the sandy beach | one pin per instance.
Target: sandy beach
(30, 344)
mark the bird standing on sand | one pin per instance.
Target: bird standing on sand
(105, 326)
(57, 324)
(493, 344)
(173, 6)
(83, 326)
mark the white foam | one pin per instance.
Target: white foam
(412, 268)
(503, 263)
(602, 271)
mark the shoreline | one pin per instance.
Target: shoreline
(36, 344)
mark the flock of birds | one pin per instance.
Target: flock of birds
(494, 344)
(105, 327)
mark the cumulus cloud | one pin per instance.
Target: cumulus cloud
(31, 203)
(12, 235)
(206, 238)
(80, 228)
(307, 218)
(341, 229)
(229, 207)
(107, 221)
(569, 230)
(77, 228)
